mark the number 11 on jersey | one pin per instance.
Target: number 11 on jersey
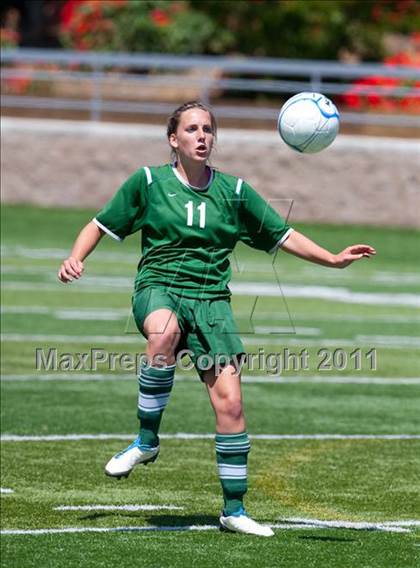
(190, 214)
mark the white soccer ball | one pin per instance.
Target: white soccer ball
(308, 122)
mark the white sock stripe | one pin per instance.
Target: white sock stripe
(155, 385)
(238, 448)
(229, 436)
(167, 370)
(150, 403)
(232, 465)
(234, 452)
(226, 471)
(155, 379)
(233, 448)
(232, 444)
(163, 395)
(231, 476)
(154, 409)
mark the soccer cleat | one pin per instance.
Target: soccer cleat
(241, 523)
(122, 464)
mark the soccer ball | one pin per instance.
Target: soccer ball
(308, 122)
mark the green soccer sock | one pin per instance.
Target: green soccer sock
(155, 385)
(232, 455)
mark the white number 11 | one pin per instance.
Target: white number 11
(190, 214)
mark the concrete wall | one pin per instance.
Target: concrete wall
(357, 180)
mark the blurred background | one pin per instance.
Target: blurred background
(235, 55)
(98, 63)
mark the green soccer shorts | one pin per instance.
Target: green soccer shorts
(208, 329)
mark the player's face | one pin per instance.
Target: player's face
(193, 138)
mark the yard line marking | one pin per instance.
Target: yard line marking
(395, 342)
(317, 317)
(286, 526)
(358, 525)
(248, 379)
(117, 508)
(129, 338)
(71, 314)
(411, 341)
(6, 491)
(260, 329)
(106, 530)
(205, 436)
(40, 286)
(329, 293)
(66, 312)
(59, 254)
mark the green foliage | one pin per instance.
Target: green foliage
(145, 26)
(316, 29)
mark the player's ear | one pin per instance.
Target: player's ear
(173, 141)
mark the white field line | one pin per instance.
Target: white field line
(395, 342)
(317, 317)
(187, 528)
(266, 329)
(189, 436)
(358, 525)
(328, 293)
(6, 491)
(40, 286)
(59, 254)
(238, 267)
(225, 135)
(118, 508)
(89, 314)
(249, 379)
(123, 313)
(386, 342)
(114, 339)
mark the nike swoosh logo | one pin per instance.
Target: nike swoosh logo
(171, 194)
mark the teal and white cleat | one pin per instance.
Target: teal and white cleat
(241, 523)
(122, 464)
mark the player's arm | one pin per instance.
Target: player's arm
(87, 240)
(299, 245)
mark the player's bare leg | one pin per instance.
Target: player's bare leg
(155, 384)
(232, 447)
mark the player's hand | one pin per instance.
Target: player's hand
(70, 269)
(352, 253)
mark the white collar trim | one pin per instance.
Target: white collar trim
(184, 182)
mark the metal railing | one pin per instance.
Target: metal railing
(213, 78)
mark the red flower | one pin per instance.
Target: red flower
(160, 18)
(68, 12)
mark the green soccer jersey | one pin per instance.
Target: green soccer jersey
(189, 233)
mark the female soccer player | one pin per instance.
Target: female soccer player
(191, 216)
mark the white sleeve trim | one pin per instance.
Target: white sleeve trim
(148, 175)
(106, 230)
(282, 240)
(239, 186)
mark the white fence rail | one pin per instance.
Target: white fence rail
(211, 78)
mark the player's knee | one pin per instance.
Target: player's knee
(232, 407)
(163, 343)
